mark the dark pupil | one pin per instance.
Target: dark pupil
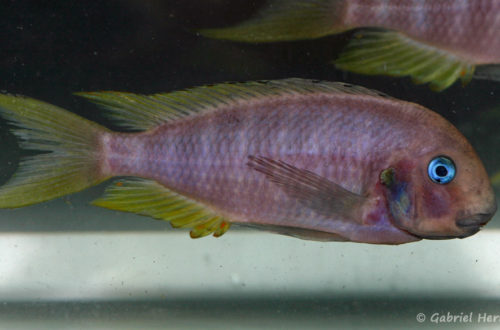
(441, 171)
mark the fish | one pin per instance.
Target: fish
(317, 160)
(432, 41)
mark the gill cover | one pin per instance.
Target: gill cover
(398, 198)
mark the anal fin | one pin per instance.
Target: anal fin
(383, 52)
(149, 198)
(302, 233)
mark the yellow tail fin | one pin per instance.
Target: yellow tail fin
(69, 145)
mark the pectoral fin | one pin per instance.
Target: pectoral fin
(313, 191)
(394, 54)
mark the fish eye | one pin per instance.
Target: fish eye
(441, 170)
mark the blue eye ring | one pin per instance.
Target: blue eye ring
(441, 170)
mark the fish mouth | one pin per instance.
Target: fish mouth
(470, 226)
(468, 232)
(443, 237)
(475, 221)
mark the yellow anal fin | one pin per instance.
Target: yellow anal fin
(216, 225)
(149, 198)
(394, 54)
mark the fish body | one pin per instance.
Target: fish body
(324, 161)
(468, 29)
(433, 41)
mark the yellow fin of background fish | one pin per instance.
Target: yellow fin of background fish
(285, 20)
(143, 112)
(391, 53)
(68, 164)
(147, 197)
(495, 180)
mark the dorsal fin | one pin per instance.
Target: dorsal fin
(143, 112)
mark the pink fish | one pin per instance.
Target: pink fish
(433, 41)
(316, 160)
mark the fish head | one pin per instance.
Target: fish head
(443, 193)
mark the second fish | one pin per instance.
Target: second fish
(433, 41)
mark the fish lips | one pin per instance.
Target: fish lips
(475, 221)
(470, 225)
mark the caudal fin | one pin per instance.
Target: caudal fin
(285, 20)
(69, 145)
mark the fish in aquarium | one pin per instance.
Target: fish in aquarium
(433, 41)
(317, 160)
